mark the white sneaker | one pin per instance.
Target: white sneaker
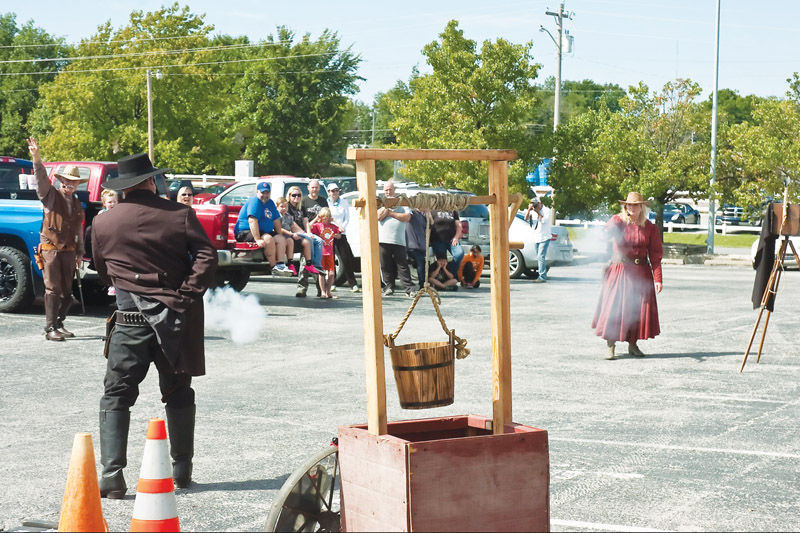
(333, 289)
(355, 288)
(281, 270)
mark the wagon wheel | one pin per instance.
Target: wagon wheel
(309, 499)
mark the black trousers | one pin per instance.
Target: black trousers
(131, 350)
(347, 259)
(394, 263)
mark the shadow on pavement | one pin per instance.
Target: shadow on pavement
(700, 356)
(250, 484)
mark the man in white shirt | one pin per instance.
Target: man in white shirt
(538, 216)
(392, 238)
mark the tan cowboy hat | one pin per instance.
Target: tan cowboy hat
(634, 198)
(72, 174)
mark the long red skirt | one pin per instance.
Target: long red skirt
(627, 310)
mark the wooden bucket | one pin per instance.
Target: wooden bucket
(424, 373)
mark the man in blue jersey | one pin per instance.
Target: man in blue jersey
(260, 222)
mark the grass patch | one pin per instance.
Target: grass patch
(741, 240)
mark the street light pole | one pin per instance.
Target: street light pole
(711, 203)
(149, 117)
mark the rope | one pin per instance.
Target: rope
(433, 202)
(460, 344)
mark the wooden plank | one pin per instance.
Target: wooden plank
(373, 312)
(373, 481)
(482, 483)
(516, 201)
(361, 154)
(392, 202)
(501, 303)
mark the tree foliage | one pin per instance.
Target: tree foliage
(656, 144)
(759, 153)
(19, 46)
(471, 99)
(97, 106)
(292, 110)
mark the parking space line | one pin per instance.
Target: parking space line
(760, 453)
(603, 527)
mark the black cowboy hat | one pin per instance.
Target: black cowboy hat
(133, 169)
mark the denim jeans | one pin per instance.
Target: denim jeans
(316, 248)
(457, 251)
(541, 253)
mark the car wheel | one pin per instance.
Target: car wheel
(516, 264)
(236, 279)
(16, 285)
(340, 278)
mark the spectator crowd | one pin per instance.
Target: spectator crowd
(315, 228)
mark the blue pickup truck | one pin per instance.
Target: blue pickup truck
(20, 222)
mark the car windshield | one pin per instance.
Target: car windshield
(475, 211)
(9, 175)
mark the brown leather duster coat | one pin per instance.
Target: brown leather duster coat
(157, 248)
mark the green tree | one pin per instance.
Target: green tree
(656, 144)
(576, 98)
(21, 77)
(292, 110)
(96, 108)
(759, 152)
(731, 107)
(472, 99)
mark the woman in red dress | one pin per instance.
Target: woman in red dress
(627, 310)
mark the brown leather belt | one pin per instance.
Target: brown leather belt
(634, 260)
(48, 246)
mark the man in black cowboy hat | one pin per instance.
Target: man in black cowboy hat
(61, 247)
(160, 261)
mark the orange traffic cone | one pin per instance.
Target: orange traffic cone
(81, 509)
(155, 508)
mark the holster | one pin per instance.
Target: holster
(110, 321)
(122, 318)
(37, 256)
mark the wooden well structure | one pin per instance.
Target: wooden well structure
(459, 473)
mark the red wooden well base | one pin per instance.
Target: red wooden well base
(445, 474)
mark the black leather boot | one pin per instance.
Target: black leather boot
(113, 452)
(180, 429)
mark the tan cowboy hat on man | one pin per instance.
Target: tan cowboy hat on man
(71, 175)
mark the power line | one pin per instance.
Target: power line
(134, 39)
(149, 52)
(204, 63)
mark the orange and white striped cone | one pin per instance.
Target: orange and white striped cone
(155, 508)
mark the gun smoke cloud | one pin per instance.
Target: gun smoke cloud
(228, 311)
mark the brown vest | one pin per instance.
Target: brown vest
(60, 227)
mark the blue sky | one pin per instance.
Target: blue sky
(616, 41)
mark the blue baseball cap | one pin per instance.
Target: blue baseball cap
(264, 186)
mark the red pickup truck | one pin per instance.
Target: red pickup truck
(236, 260)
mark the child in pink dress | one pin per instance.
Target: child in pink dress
(327, 231)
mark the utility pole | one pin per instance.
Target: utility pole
(711, 204)
(157, 74)
(559, 17)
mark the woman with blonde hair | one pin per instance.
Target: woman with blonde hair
(186, 196)
(627, 309)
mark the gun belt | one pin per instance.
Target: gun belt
(131, 318)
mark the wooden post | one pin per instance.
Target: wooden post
(373, 312)
(501, 305)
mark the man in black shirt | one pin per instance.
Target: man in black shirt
(445, 236)
(313, 202)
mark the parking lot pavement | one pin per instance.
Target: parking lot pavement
(678, 440)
